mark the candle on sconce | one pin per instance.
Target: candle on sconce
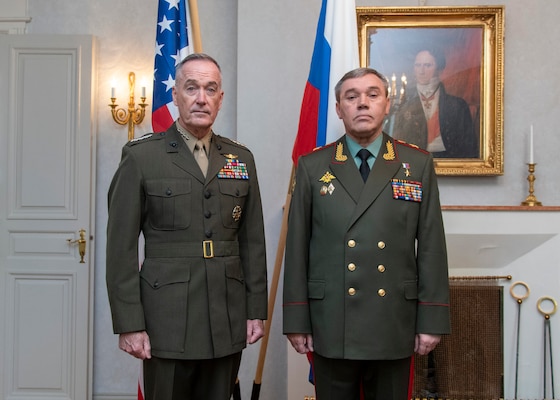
(135, 112)
(531, 152)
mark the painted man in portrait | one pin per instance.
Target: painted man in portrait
(433, 119)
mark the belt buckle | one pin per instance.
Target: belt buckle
(208, 248)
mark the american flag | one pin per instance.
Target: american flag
(173, 43)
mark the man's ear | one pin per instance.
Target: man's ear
(337, 108)
(174, 94)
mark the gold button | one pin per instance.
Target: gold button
(351, 243)
(381, 245)
(381, 268)
(351, 267)
(381, 292)
(351, 291)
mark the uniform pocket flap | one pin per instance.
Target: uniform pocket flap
(234, 187)
(168, 187)
(164, 274)
(411, 290)
(233, 271)
(316, 289)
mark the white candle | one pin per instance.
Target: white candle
(143, 91)
(531, 155)
(113, 92)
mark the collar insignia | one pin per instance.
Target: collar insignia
(390, 154)
(339, 156)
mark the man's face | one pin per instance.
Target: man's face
(198, 95)
(362, 107)
(425, 67)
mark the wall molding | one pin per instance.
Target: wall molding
(114, 396)
(13, 25)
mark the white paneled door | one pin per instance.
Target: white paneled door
(47, 153)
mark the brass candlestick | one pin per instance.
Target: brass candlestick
(531, 200)
(134, 116)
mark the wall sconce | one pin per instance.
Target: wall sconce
(132, 116)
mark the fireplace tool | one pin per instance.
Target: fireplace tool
(519, 299)
(547, 330)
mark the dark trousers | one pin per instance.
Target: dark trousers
(337, 379)
(167, 379)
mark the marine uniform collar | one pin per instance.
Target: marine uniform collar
(190, 139)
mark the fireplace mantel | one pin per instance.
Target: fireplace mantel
(495, 236)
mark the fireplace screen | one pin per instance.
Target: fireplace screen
(468, 364)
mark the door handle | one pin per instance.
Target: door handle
(81, 244)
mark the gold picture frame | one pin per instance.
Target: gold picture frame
(465, 44)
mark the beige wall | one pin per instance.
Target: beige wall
(264, 47)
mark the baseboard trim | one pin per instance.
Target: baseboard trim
(113, 396)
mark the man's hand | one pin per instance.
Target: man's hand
(255, 330)
(136, 344)
(424, 343)
(302, 342)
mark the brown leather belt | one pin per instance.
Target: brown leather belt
(206, 249)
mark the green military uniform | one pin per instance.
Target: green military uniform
(366, 264)
(204, 273)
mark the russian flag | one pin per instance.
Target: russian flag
(173, 43)
(335, 53)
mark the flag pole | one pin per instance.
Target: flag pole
(193, 8)
(273, 289)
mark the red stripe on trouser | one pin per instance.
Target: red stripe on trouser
(411, 377)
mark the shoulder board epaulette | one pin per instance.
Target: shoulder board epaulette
(412, 146)
(144, 138)
(325, 146)
(231, 141)
(238, 143)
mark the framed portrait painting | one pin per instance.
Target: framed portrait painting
(445, 72)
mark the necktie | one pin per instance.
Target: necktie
(364, 166)
(201, 157)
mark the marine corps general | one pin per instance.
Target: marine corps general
(201, 293)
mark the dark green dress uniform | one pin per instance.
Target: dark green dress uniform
(366, 263)
(204, 273)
